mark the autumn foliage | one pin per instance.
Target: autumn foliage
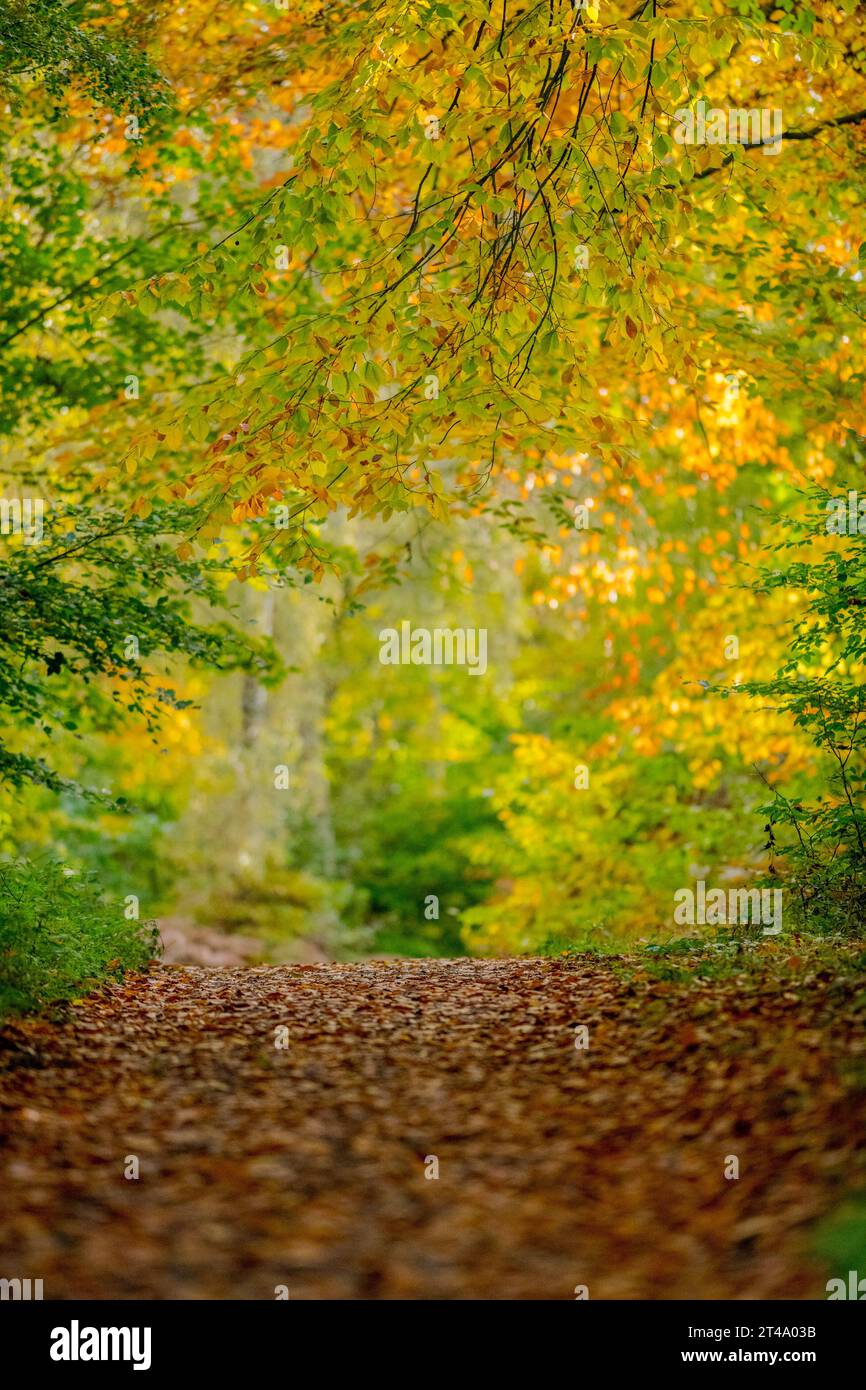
(427, 309)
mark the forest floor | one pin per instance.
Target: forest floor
(307, 1166)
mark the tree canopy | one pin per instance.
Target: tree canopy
(546, 313)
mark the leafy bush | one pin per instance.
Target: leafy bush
(58, 935)
(840, 1239)
(820, 840)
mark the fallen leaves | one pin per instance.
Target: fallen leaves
(306, 1166)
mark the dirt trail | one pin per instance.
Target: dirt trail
(305, 1166)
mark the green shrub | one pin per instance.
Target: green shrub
(817, 842)
(58, 935)
(840, 1239)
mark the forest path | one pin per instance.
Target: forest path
(305, 1167)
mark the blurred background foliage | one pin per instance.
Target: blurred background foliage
(559, 799)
